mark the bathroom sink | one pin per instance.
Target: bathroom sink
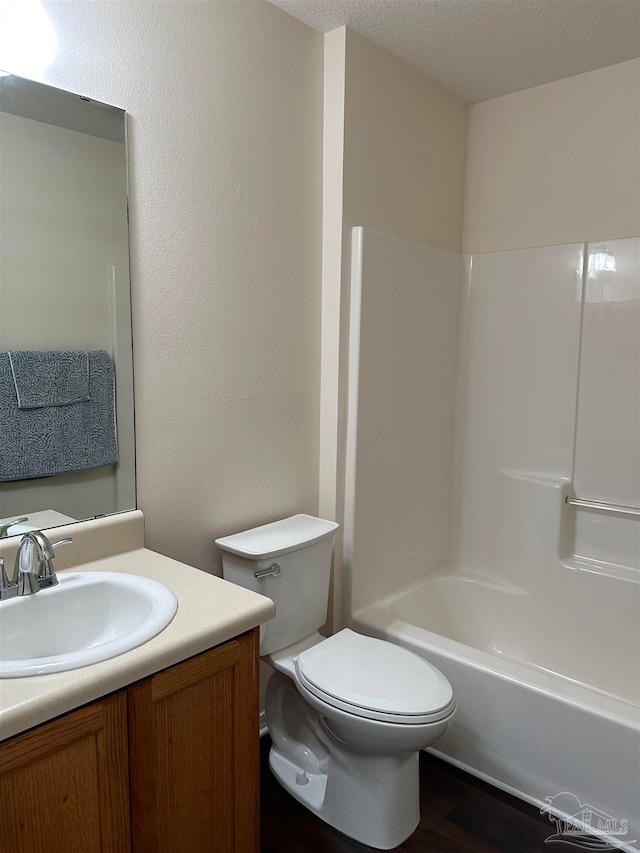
(88, 617)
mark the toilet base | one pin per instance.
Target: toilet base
(308, 788)
(372, 799)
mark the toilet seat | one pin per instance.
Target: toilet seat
(374, 679)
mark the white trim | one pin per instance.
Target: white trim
(353, 369)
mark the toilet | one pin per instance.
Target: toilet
(347, 714)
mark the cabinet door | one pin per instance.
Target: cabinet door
(194, 745)
(64, 787)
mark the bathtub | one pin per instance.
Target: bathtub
(543, 705)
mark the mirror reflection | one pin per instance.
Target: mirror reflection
(66, 376)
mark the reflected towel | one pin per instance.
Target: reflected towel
(50, 378)
(50, 440)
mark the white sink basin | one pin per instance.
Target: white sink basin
(88, 617)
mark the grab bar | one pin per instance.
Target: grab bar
(617, 509)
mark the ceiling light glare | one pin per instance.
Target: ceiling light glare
(28, 41)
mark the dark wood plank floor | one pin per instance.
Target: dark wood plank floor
(459, 814)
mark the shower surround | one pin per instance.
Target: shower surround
(483, 392)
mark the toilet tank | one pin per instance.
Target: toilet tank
(298, 551)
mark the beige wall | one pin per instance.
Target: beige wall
(225, 105)
(405, 306)
(403, 141)
(404, 149)
(332, 260)
(555, 164)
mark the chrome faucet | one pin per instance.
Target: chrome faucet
(4, 528)
(33, 569)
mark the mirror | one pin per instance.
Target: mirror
(66, 372)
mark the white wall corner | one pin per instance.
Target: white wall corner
(332, 215)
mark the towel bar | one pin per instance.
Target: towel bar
(617, 509)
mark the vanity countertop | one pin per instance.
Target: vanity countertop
(210, 611)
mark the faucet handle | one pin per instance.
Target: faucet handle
(47, 575)
(7, 589)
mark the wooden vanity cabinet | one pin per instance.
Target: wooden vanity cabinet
(194, 754)
(170, 764)
(64, 786)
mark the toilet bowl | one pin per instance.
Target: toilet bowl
(351, 755)
(347, 714)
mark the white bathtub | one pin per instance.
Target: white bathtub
(544, 705)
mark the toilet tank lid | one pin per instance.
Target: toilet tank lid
(279, 537)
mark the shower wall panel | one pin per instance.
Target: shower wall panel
(523, 343)
(607, 463)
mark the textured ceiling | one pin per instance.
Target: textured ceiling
(480, 49)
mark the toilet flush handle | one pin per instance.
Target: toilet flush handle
(271, 571)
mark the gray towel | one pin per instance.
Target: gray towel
(50, 378)
(52, 440)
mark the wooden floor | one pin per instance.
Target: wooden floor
(459, 814)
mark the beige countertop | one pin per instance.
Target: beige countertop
(210, 611)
